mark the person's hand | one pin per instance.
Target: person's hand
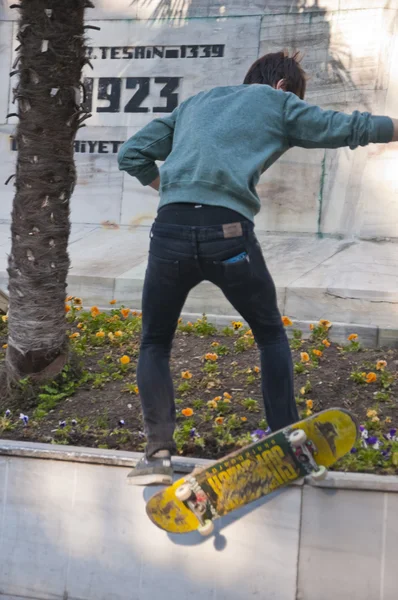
(155, 184)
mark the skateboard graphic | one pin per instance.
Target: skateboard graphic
(305, 448)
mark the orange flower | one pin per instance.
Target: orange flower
(78, 308)
(118, 333)
(352, 337)
(67, 308)
(69, 298)
(309, 404)
(381, 365)
(189, 324)
(326, 343)
(219, 420)
(317, 353)
(312, 326)
(5, 346)
(211, 356)
(100, 334)
(371, 413)
(186, 374)
(244, 419)
(325, 323)
(287, 321)
(135, 389)
(112, 301)
(74, 335)
(217, 399)
(78, 301)
(304, 357)
(80, 325)
(187, 412)
(125, 312)
(371, 377)
(227, 396)
(215, 344)
(125, 359)
(212, 404)
(256, 369)
(95, 311)
(249, 332)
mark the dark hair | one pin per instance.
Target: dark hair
(273, 67)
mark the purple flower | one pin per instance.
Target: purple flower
(7, 413)
(372, 440)
(258, 434)
(24, 418)
(121, 423)
(62, 424)
(141, 434)
(385, 453)
(74, 422)
(362, 428)
(354, 450)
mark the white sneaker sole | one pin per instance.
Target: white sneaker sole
(154, 479)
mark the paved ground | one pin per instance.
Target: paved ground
(346, 281)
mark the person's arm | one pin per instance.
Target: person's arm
(309, 126)
(139, 154)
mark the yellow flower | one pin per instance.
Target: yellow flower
(256, 369)
(388, 420)
(304, 357)
(74, 335)
(4, 318)
(67, 309)
(371, 377)
(381, 365)
(317, 353)
(215, 344)
(308, 412)
(5, 346)
(227, 396)
(135, 389)
(371, 413)
(352, 337)
(95, 311)
(111, 336)
(179, 320)
(125, 359)
(326, 343)
(249, 370)
(187, 412)
(312, 326)
(302, 391)
(100, 334)
(217, 399)
(237, 325)
(219, 420)
(78, 308)
(212, 404)
(244, 419)
(287, 321)
(112, 301)
(189, 324)
(186, 374)
(325, 323)
(249, 333)
(125, 312)
(309, 404)
(80, 325)
(211, 356)
(78, 301)
(118, 333)
(375, 420)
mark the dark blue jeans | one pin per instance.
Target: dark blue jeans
(180, 257)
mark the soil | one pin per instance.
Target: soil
(110, 416)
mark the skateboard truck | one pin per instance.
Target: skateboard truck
(298, 440)
(197, 505)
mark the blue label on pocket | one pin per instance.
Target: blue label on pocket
(237, 258)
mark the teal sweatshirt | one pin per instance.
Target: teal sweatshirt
(216, 144)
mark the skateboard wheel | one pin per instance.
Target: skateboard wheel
(320, 474)
(183, 492)
(207, 528)
(298, 438)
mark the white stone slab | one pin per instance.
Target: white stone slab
(5, 67)
(389, 570)
(332, 561)
(7, 168)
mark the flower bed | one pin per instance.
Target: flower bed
(95, 401)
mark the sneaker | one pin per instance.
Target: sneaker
(153, 471)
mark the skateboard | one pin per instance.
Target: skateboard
(308, 447)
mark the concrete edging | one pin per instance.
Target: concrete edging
(118, 458)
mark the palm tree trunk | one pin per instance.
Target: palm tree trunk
(51, 57)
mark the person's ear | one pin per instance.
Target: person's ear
(281, 85)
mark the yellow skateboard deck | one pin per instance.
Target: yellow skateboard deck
(255, 471)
